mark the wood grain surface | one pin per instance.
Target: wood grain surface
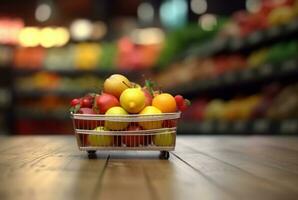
(202, 167)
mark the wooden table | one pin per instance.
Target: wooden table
(200, 168)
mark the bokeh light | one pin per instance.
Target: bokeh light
(43, 12)
(208, 22)
(145, 12)
(29, 37)
(62, 36)
(173, 13)
(99, 30)
(81, 29)
(147, 36)
(9, 30)
(253, 6)
(47, 37)
(198, 6)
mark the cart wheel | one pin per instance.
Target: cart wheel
(91, 154)
(164, 155)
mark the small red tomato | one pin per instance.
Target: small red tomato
(87, 103)
(179, 100)
(183, 107)
(185, 104)
(75, 102)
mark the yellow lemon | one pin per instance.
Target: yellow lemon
(115, 125)
(150, 110)
(132, 100)
(164, 139)
(100, 140)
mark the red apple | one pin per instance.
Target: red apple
(135, 140)
(106, 101)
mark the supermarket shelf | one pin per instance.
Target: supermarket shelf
(35, 114)
(40, 93)
(264, 37)
(208, 48)
(5, 97)
(3, 125)
(261, 126)
(254, 40)
(75, 72)
(239, 80)
(5, 76)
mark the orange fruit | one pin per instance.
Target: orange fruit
(165, 103)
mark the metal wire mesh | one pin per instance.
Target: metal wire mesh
(131, 132)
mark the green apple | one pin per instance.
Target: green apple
(116, 126)
(100, 140)
(164, 139)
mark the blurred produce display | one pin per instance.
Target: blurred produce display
(42, 68)
(47, 81)
(178, 40)
(53, 107)
(6, 55)
(251, 48)
(270, 13)
(123, 55)
(273, 103)
(199, 69)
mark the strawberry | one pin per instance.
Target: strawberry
(183, 107)
(179, 100)
(182, 103)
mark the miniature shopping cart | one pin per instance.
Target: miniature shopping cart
(126, 132)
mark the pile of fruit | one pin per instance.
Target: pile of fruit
(121, 97)
(123, 54)
(198, 69)
(268, 13)
(49, 81)
(274, 102)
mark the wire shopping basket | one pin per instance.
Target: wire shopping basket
(126, 132)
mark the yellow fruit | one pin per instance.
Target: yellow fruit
(87, 55)
(214, 110)
(280, 15)
(100, 140)
(257, 58)
(150, 110)
(164, 139)
(115, 125)
(165, 103)
(116, 84)
(132, 100)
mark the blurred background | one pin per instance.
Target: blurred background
(235, 60)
